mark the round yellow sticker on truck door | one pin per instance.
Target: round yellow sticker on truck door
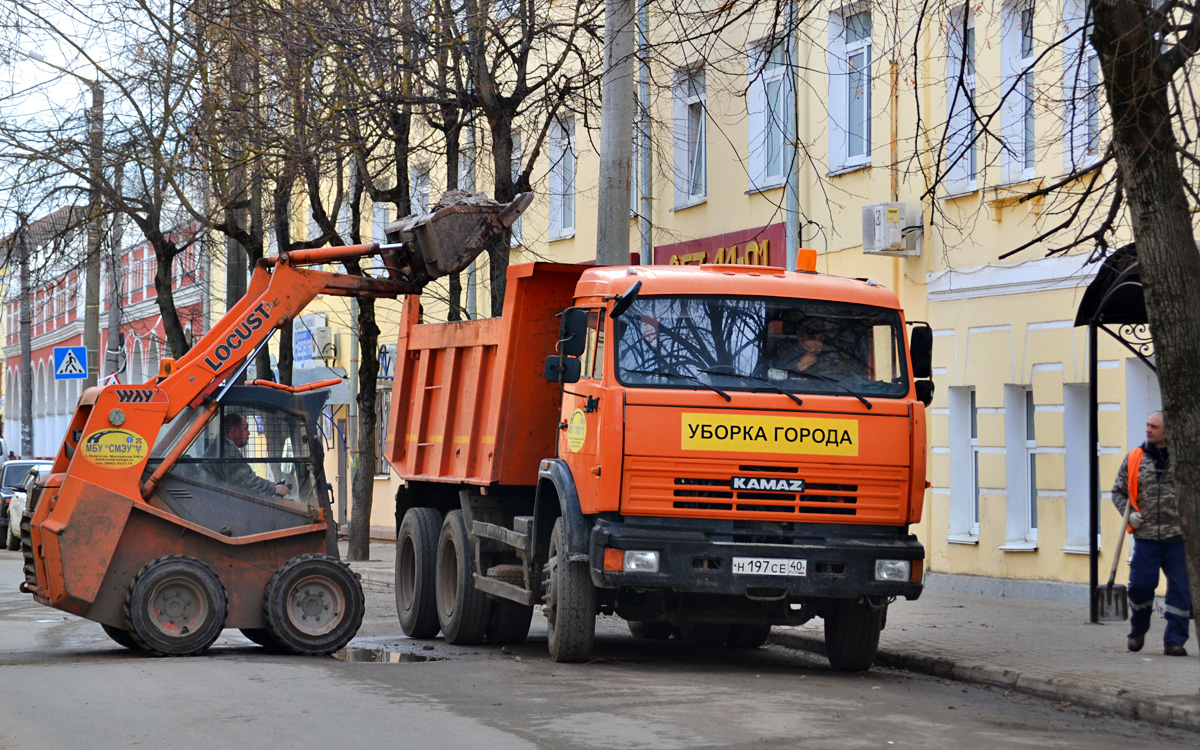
(115, 449)
(577, 430)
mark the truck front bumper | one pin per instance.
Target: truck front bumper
(839, 561)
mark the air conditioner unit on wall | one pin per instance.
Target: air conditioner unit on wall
(886, 231)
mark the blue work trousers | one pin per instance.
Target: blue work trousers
(1148, 558)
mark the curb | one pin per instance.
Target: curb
(384, 579)
(1166, 710)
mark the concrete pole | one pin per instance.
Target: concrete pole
(25, 322)
(91, 303)
(646, 179)
(112, 352)
(791, 153)
(616, 136)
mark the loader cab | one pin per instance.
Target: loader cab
(254, 467)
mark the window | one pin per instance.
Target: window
(419, 189)
(381, 214)
(466, 161)
(562, 177)
(850, 88)
(516, 240)
(961, 145)
(974, 466)
(769, 103)
(592, 361)
(691, 178)
(383, 405)
(1031, 462)
(1020, 469)
(1019, 91)
(1081, 89)
(964, 465)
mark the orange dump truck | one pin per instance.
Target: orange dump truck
(705, 451)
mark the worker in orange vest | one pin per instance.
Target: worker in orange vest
(1147, 479)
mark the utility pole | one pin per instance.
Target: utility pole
(791, 153)
(25, 322)
(616, 135)
(646, 178)
(112, 352)
(91, 302)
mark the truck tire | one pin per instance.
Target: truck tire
(852, 634)
(416, 564)
(175, 606)
(748, 636)
(462, 610)
(120, 636)
(649, 630)
(313, 605)
(570, 603)
(509, 621)
(703, 633)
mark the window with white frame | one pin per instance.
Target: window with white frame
(383, 406)
(517, 156)
(768, 98)
(964, 465)
(562, 177)
(1031, 462)
(691, 132)
(1020, 469)
(849, 60)
(1020, 94)
(381, 215)
(961, 143)
(1081, 89)
(418, 189)
(466, 160)
(974, 466)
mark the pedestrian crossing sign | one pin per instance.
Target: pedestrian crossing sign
(70, 363)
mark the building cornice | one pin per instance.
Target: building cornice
(1039, 275)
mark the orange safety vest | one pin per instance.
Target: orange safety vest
(1133, 468)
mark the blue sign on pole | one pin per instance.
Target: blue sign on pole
(70, 363)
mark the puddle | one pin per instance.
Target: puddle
(381, 655)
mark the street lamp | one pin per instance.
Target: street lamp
(91, 300)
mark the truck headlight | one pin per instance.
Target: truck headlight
(892, 570)
(641, 561)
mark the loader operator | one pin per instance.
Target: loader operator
(233, 469)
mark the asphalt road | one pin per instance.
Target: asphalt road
(65, 685)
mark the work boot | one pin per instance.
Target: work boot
(1174, 649)
(1135, 642)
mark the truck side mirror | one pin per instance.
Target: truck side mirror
(566, 367)
(925, 391)
(625, 300)
(572, 332)
(921, 348)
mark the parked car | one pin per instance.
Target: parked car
(12, 477)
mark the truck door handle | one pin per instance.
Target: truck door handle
(593, 404)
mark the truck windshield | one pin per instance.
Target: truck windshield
(762, 344)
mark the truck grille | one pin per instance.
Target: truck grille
(874, 494)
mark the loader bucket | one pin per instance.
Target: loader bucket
(459, 229)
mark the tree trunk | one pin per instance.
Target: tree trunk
(165, 297)
(362, 485)
(1136, 84)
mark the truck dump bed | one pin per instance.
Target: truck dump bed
(470, 404)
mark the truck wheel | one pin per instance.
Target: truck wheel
(748, 636)
(570, 603)
(313, 605)
(416, 563)
(120, 636)
(462, 610)
(651, 631)
(262, 637)
(509, 621)
(175, 606)
(703, 633)
(852, 635)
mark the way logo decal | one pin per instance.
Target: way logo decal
(577, 430)
(139, 396)
(753, 434)
(115, 449)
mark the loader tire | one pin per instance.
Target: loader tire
(509, 621)
(748, 636)
(120, 636)
(650, 630)
(175, 606)
(416, 565)
(313, 605)
(852, 634)
(462, 609)
(570, 603)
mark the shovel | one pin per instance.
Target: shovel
(1112, 601)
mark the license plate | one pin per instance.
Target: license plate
(770, 566)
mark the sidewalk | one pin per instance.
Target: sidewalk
(1043, 648)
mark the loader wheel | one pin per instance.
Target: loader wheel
(748, 636)
(509, 621)
(120, 636)
(175, 606)
(262, 637)
(570, 603)
(313, 605)
(706, 634)
(650, 630)
(462, 609)
(416, 564)
(852, 634)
